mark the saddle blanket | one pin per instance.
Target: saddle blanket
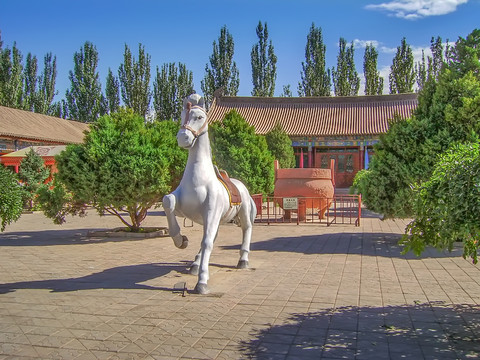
(232, 190)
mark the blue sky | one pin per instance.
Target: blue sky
(174, 31)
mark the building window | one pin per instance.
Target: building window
(349, 164)
(341, 163)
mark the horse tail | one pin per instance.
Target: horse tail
(253, 210)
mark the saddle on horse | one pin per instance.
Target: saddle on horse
(233, 193)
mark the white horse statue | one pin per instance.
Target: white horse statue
(202, 197)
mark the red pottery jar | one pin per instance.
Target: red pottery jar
(313, 184)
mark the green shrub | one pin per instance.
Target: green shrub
(280, 146)
(124, 165)
(447, 206)
(32, 173)
(242, 153)
(11, 197)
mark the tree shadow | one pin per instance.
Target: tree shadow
(431, 330)
(368, 244)
(122, 277)
(58, 237)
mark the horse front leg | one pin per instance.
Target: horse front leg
(210, 231)
(195, 265)
(169, 203)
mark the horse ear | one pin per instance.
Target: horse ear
(185, 102)
(201, 102)
(195, 100)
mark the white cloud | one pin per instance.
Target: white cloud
(387, 50)
(363, 43)
(416, 9)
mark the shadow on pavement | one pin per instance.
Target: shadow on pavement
(423, 331)
(122, 277)
(369, 244)
(57, 237)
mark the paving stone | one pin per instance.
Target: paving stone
(313, 292)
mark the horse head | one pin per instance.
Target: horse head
(194, 121)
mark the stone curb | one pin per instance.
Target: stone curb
(118, 232)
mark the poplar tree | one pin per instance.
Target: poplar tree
(286, 91)
(402, 72)
(221, 71)
(264, 64)
(134, 76)
(346, 81)
(429, 69)
(46, 86)
(170, 86)
(30, 83)
(85, 102)
(373, 80)
(421, 71)
(437, 60)
(315, 77)
(112, 92)
(11, 77)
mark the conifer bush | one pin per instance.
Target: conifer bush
(242, 153)
(124, 167)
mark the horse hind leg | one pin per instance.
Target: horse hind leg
(246, 216)
(169, 203)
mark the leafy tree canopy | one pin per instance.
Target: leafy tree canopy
(242, 153)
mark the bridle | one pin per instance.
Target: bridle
(199, 132)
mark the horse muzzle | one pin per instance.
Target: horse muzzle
(185, 138)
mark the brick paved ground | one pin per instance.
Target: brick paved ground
(312, 292)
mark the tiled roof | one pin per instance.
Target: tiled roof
(318, 116)
(27, 125)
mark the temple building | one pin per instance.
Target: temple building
(21, 129)
(323, 128)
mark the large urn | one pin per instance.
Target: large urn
(312, 186)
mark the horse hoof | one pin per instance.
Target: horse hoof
(242, 264)
(201, 289)
(184, 242)
(193, 270)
